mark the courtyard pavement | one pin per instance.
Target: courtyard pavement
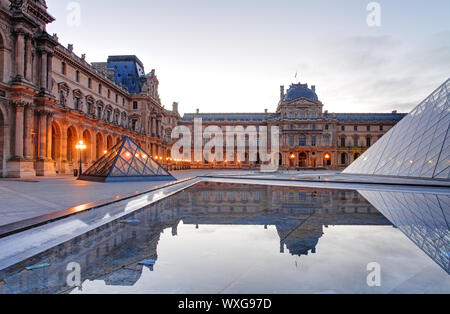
(22, 199)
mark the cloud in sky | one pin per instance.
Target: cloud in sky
(233, 55)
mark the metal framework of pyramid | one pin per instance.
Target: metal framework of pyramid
(418, 146)
(126, 161)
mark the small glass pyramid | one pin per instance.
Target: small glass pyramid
(126, 161)
(418, 146)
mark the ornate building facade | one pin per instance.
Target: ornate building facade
(310, 138)
(51, 98)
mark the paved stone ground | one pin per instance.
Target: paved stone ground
(25, 199)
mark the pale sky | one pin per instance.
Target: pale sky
(233, 55)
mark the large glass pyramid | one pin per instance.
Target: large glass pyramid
(418, 146)
(126, 162)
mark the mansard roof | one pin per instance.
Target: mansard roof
(227, 116)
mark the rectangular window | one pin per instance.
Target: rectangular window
(343, 142)
(381, 128)
(355, 142)
(135, 105)
(369, 142)
(291, 141)
(302, 141)
(63, 68)
(343, 128)
(89, 82)
(313, 141)
(326, 126)
(355, 128)
(368, 128)
(77, 103)
(77, 76)
(327, 141)
(100, 89)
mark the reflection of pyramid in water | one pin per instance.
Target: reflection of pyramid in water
(126, 162)
(418, 146)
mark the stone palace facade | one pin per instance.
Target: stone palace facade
(310, 138)
(50, 99)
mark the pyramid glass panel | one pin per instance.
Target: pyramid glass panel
(126, 161)
(418, 146)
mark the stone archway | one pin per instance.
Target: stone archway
(344, 159)
(87, 153)
(99, 147)
(72, 138)
(56, 147)
(109, 142)
(302, 160)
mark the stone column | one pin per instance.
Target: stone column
(18, 140)
(43, 135)
(27, 136)
(49, 70)
(28, 62)
(49, 136)
(153, 127)
(44, 70)
(20, 54)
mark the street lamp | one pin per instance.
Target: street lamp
(80, 146)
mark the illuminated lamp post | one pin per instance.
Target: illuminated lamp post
(80, 146)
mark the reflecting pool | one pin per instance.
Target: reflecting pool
(235, 238)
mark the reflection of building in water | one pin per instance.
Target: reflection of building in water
(424, 218)
(112, 252)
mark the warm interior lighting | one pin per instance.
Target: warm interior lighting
(292, 156)
(144, 156)
(105, 151)
(327, 156)
(128, 154)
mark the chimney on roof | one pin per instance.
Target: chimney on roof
(198, 111)
(175, 107)
(313, 87)
(265, 110)
(394, 111)
(83, 56)
(70, 47)
(281, 92)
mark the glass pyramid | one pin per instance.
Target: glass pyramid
(418, 146)
(422, 217)
(126, 161)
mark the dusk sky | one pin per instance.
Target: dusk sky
(232, 56)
